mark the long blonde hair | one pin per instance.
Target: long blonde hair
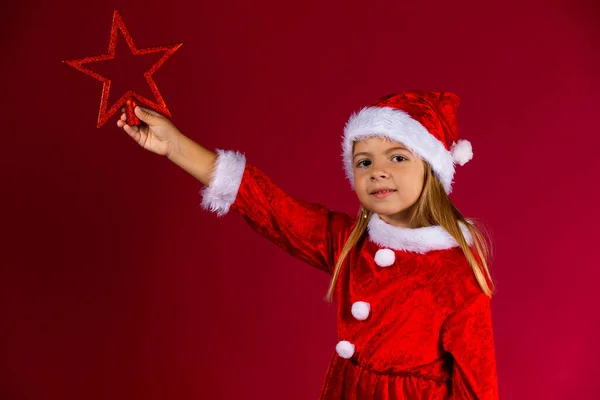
(433, 207)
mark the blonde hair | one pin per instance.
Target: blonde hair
(433, 207)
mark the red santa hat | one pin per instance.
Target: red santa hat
(424, 122)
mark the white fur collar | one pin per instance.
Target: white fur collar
(419, 240)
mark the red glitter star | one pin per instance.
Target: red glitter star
(129, 98)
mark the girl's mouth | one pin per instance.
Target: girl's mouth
(383, 193)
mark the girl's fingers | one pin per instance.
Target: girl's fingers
(122, 122)
(131, 131)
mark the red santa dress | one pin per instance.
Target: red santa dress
(413, 322)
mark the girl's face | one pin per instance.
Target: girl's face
(382, 164)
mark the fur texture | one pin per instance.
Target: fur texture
(462, 152)
(419, 240)
(345, 349)
(220, 194)
(385, 257)
(360, 310)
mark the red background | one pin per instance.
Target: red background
(116, 285)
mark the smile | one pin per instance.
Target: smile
(384, 193)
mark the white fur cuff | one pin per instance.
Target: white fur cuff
(220, 194)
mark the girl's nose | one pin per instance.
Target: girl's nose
(379, 174)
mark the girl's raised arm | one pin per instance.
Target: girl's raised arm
(194, 159)
(307, 231)
(310, 232)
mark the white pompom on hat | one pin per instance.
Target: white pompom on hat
(424, 122)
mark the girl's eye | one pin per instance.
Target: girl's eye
(366, 163)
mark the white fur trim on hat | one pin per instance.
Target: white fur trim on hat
(345, 349)
(398, 126)
(385, 257)
(361, 310)
(222, 190)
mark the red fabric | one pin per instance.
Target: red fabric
(429, 332)
(436, 111)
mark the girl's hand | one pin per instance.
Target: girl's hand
(156, 133)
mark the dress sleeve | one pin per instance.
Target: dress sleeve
(307, 231)
(468, 335)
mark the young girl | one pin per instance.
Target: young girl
(409, 271)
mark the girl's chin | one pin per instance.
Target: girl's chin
(387, 211)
